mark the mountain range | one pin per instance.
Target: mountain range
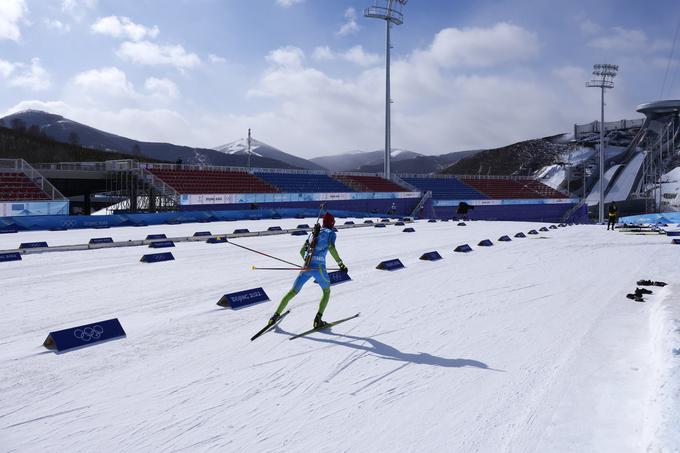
(234, 153)
(403, 161)
(68, 131)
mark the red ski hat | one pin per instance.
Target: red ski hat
(328, 220)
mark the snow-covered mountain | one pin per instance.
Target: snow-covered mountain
(261, 149)
(403, 161)
(68, 131)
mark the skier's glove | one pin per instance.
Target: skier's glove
(342, 266)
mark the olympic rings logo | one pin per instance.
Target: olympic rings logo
(89, 333)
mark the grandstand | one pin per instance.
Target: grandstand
(211, 181)
(361, 183)
(16, 186)
(444, 187)
(306, 182)
(504, 189)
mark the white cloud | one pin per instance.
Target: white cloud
(108, 82)
(123, 27)
(625, 40)
(78, 9)
(350, 26)
(32, 77)
(287, 3)
(148, 53)
(11, 14)
(161, 88)
(70, 6)
(216, 59)
(357, 55)
(323, 53)
(6, 68)
(480, 47)
(57, 25)
(289, 57)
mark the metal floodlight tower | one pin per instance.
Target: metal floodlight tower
(391, 14)
(603, 77)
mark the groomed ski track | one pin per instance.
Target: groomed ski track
(525, 346)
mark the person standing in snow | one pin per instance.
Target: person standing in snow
(314, 254)
(612, 216)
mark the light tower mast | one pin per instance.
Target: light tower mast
(603, 77)
(391, 14)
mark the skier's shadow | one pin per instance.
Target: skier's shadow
(380, 349)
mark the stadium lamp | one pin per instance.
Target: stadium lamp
(390, 12)
(603, 78)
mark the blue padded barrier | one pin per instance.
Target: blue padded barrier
(504, 239)
(85, 335)
(463, 248)
(10, 256)
(520, 235)
(431, 256)
(242, 298)
(408, 230)
(485, 243)
(157, 257)
(390, 265)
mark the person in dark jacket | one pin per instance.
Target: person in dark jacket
(612, 215)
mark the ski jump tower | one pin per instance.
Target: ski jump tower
(390, 12)
(662, 127)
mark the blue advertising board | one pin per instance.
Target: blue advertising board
(465, 248)
(202, 233)
(161, 244)
(32, 245)
(243, 298)
(157, 257)
(217, 240)
(85, 335)
(390, 265)
(101, 241)
(155, 236)
(10, 256)
(431, 256)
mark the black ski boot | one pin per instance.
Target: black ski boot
(275, 317)
(662, 284)
(641, 291)
(635, 297)
(645, 282)
(318, 322)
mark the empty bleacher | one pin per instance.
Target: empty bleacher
(211, 181)
(370, 183)
(543, 189)
(503, 188)
(303, 182)
(16, 186)
(445, 188)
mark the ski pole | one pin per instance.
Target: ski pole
(255, 268)
(264, 254)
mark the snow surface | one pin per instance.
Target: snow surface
(526, 346)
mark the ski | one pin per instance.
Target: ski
(269, 327)
(327, 326)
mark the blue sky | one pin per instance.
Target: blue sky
(308, 75)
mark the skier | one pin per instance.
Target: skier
(314, 254)
(612, 216)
